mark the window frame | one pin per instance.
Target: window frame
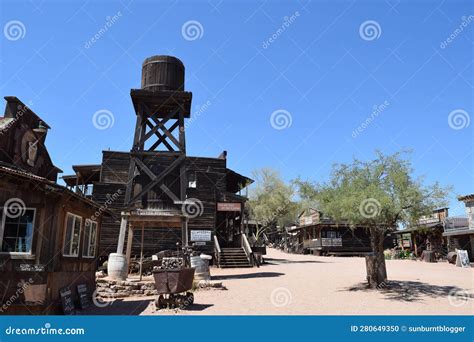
(65, 233)
(87, 243)
(2, 233)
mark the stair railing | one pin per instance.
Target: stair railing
(217, 250)
(247, 249)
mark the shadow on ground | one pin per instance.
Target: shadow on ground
(413, 291)
(272, 261)
(119, 307)
(136, 307)
(248, 276)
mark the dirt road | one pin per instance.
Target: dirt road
(309, 285)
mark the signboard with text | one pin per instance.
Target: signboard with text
(228, 206)
(201, 235)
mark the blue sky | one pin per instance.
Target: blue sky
(320, 66)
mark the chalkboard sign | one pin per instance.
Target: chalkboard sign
(84, 297)
(66, 301)
(463, 258)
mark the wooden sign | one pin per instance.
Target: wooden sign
(201, 235)
(66, 301)
(462, 259)
(228, 206)
(84, 296)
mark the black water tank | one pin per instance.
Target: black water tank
(163, 73)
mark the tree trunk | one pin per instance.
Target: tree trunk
(376, 270)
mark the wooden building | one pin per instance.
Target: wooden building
(459, 231)
(48, 235)
(426, 235)
(215, 187)
(318, 235)
(162, 198)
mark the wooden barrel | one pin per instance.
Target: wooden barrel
(202, 268)
(117, 266)
(163, 73)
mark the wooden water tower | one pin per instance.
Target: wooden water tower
(156, 187)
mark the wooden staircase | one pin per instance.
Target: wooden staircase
(233, 258)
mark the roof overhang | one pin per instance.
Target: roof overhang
(236, 181)
(466, 197)
(456, 232)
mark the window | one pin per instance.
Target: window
(331, 234)
(192, 180)
(72, 235)
(16, 231)
(90, 239)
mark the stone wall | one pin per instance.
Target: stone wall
(108, 288)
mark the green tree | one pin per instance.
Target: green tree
(381, 194)
(271, 201)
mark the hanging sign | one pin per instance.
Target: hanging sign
(228, 206)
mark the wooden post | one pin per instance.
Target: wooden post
(123, 228)
(129, 243)
(141, 251)
(414, 244)
(184, 232)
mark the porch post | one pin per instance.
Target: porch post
(129, 243)
(123, 229)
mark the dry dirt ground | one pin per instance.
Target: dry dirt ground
(308, 285)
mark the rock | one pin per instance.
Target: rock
(100, 275)
(118, 287)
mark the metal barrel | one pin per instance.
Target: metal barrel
(202, 268)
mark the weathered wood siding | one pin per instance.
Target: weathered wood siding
(56, 271)
(211, 180)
